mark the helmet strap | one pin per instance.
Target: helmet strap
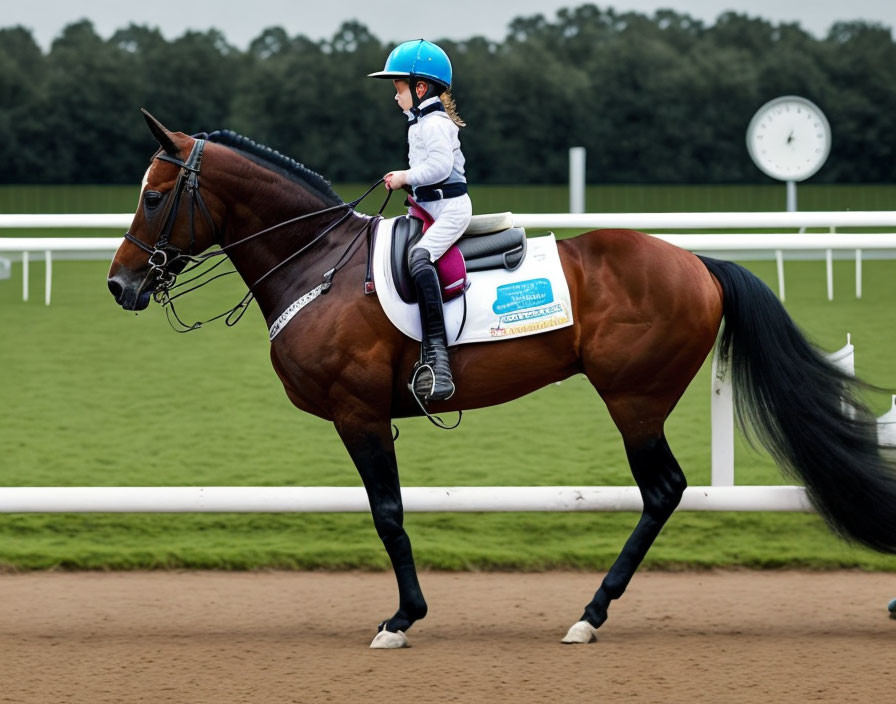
(433, 89)
(415, 101)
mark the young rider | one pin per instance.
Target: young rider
(421, 73)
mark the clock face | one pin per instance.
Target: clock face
(789, 138)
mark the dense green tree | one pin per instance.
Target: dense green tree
(85, 110)
(859, 62)
(660, 98)
(22, 77)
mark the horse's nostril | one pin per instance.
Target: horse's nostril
(115, 289)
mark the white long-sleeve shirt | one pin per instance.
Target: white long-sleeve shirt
(434, 151)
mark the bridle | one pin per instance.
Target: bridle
(163, 255)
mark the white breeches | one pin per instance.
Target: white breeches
(452, 216)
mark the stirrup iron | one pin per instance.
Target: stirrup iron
(435, 420)
(423, 383)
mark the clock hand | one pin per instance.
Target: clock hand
(790, 137)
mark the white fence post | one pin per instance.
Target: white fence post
(886, 427)
(845, 357)
(577, 179)
(722, 411)
(829, 265)
(779, 259)
(25, 276)
(722, 423)
(48, 281)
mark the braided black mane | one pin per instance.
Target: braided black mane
(280, 163)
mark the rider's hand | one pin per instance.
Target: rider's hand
(396, 179)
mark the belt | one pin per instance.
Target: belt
(424, 194)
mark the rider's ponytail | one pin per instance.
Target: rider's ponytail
(451, 109)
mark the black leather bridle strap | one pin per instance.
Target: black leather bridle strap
(187, 181)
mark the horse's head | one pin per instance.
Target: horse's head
(173, 220)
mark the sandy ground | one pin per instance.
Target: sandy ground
(302, 637)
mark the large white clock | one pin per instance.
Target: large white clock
(789, 138)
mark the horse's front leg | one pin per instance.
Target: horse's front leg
(372, 449)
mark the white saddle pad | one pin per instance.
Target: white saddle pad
(501, 304)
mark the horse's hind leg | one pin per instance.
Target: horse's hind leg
(661, 483)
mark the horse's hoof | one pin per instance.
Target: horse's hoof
(581, 632)
(389, 640)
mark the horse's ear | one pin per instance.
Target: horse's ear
(162, 135)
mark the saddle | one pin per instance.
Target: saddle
(489, 242)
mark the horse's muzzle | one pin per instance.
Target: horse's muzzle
(131, 292)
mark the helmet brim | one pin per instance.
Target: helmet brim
(389, 74)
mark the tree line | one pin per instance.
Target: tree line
(654, 99)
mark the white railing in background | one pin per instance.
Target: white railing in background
(649, 221)
(722, 495)
(705, 221)
(105, 246)
(706, 242)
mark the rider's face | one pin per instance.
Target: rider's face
(403, 93)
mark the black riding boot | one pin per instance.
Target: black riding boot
(432, 379)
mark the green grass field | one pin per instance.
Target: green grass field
(95, 396)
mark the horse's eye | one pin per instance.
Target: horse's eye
(152, 198)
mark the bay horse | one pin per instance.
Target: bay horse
(646, 315)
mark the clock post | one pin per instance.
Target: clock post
(789, 139)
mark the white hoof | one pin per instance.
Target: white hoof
(388, 640)
(581, 632)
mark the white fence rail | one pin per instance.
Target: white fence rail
(721, 496)
(333, 499)
(706, 221)
(707, 242)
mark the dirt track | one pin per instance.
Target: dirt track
(300, 637)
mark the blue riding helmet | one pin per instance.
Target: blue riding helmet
(418, 58)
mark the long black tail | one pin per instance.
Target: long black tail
(805, 411)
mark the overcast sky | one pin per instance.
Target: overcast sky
(242, 21)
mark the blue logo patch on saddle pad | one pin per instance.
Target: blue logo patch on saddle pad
(522, 294)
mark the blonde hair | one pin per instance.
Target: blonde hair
(451, 109)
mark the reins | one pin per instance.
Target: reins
(163, 255)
